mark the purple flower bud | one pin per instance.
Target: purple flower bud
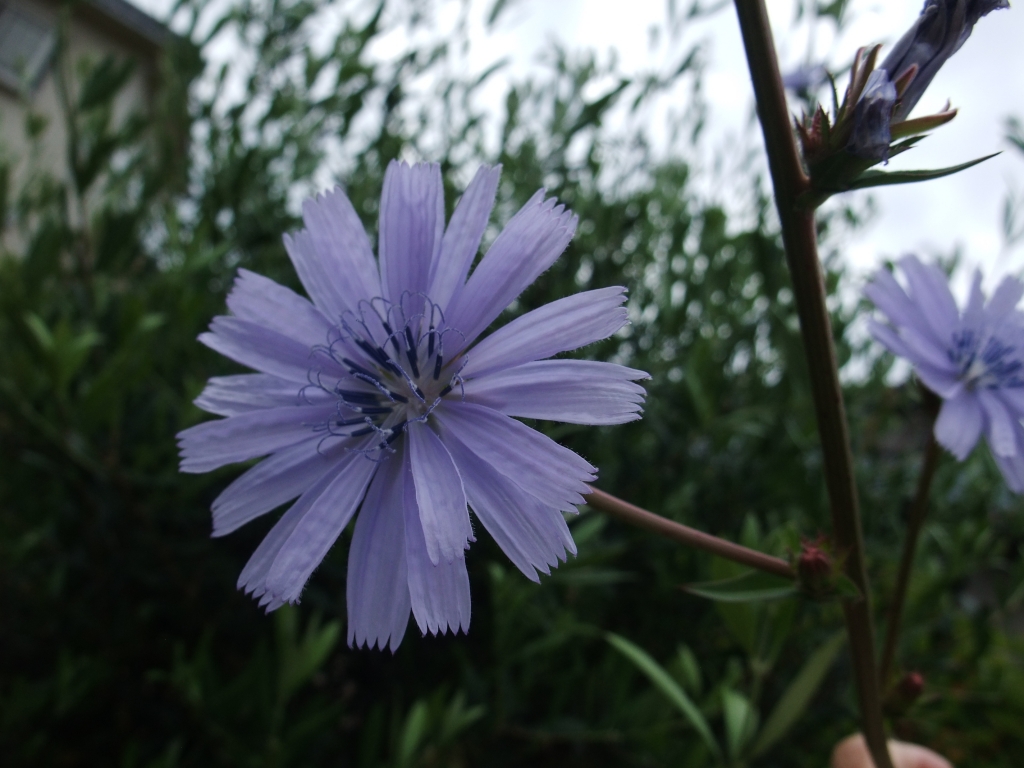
(871, 117)
(938, 33)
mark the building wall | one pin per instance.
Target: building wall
(92, 35)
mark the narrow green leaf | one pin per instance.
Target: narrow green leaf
(798, 695)
(885, 178)
(745, 588)
(664, 682)
(740, 720)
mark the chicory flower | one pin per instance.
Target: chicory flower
(379, 396)
(973, 359)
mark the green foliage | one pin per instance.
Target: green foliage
(124, 641)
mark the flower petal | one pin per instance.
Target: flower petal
(215, 443)
(974, 312)
(889, 296)
(377, 587)
(439, 593)
(440, 495)
(1012, 469)
(534, 536)
(1013, 399)
(1005, 299)
(462, 237)
(260, 300)
(267, 351)
(942, 381)
(1000, 424)
(573, 391)
(253, 578)
(560, 326)
(546, 470)
(320, 526)
(274, 481)
(528, 245)
(316, 277)
(929, 288)
(411, 227)
(959, 424)
(245, 392)
(343, 251)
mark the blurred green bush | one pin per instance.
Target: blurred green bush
(123, 641)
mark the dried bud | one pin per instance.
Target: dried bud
(904, 694)
(872, 117)
(911, 686)
(938, 33)
(815, 567)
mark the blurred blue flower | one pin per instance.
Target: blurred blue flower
(806, 79)
(376, 396)
(973, 359)
(938, 33)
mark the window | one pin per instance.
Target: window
(26, 45)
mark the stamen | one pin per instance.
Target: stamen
(349, 422)
(411, 352)
(437, 366)
(355, 368)
(430, 342)
(375, 411)
(355, 396)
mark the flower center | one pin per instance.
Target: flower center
(986, 362)
(397, 371)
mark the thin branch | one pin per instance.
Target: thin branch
(918, 511)
(799, 238)
(689, 536)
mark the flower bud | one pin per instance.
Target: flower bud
(872, 117)
(938, 33)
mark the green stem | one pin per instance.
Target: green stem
(915, 522)
(799, 238)
(685, 535)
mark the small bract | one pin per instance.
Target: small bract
(973, 359)
(378, 397)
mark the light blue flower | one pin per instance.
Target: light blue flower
(973, 359)
(378, 397)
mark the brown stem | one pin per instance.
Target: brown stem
(684, 535)
(918, 511)
(798, 236)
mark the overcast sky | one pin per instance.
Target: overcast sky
(985, 81)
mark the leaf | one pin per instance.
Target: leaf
(798, 695)
(667, 685)
(886, 178)
(740, 720)
(745, 588)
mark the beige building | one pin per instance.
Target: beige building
(95, 29)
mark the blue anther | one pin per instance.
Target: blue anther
(356, 368)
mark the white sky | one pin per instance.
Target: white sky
(985, 81)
